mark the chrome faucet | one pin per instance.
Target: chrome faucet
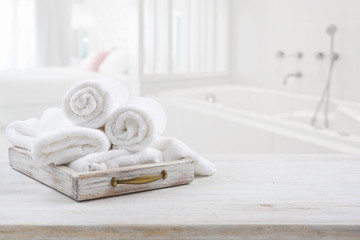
(326, 92)
(295, 74)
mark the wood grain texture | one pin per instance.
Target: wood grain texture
(92, 185)
(180, 232)
(60, 178)
(250, 197)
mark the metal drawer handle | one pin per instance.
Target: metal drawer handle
(140, 180)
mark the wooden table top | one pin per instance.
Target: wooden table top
(272, 196)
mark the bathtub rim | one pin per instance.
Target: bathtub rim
(307, 133)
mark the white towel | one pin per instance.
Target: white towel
(136, 124)
(115, 159)
(173, 149)
(54, 139)
(22, 133)
(162, 149)
(90, 102)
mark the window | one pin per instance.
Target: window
(17, 38)
(185, 36)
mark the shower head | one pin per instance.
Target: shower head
(331, 29)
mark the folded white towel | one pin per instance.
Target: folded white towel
(162, 149)
(22, 133)
(54, 139)
(90, 102)
(62, 146)
(58, 141)
(173, 149)
(136, 124)
(115, 159)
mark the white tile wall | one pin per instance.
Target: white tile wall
(259, 28)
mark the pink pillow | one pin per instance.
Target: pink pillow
(97, 60)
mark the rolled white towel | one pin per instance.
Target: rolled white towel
(54, 139)
(162, 149)
(136, 124)
(22, 133)
(90, 102)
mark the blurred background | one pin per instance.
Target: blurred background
(234, 76)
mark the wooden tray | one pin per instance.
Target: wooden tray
(92, 185)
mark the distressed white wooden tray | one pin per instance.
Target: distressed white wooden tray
(92, 185)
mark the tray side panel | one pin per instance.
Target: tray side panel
(57, 177)
(98, 185)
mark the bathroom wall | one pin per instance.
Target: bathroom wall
(104, 21)
(259, 28)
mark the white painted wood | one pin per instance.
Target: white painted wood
(182, 232)
(149, 36)
(193, 36)
(250, 197)
(184, 77)
(155, 17)
(163, 84)
(58, 177)
(97, 184)
(86, 186)
(194, 43)
(223, 35)
(214, 35)
(181, 31)
(170, 36)
(162, 37)
(202, 34)
(135, 45)
(189, 32)
(209, 37)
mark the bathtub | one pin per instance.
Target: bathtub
(236, 119)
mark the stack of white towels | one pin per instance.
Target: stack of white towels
(98, 128)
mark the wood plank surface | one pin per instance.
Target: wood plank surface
(250, 197)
